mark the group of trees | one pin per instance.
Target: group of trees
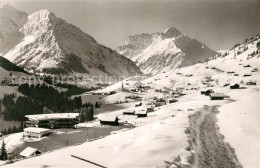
(36, 97)
(3, 152)
(14, 129)
(86, 113)
(72, 89)
(6, 64)
(49, 97)
(17, 110)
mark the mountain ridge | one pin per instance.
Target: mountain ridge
(52, 45)
(155, 52)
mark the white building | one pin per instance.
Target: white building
(36, 132)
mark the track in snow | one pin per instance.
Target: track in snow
(211, 151)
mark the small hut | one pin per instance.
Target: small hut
(160, 102)
(150, 109)
(172, 100)
(109, 120)
(207, 92)
(217, 96)
(234, 86)
(247, 74)
(251, 82)
(247, 66)
(129, 112)
(141, 113)
(30, 152)
(137, 104)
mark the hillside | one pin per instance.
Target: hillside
(9, 66)
(158, 52)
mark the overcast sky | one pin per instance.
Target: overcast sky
(218, 23)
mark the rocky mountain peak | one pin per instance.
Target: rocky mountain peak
(172, 32)
(158, 52)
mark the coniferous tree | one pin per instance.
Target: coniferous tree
(3, 152)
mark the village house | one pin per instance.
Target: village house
(160, 102)
(217, 96)
(141, 113)
(255, 70)
(55, 120)
(150, 109)
(234, 86)
(172, 100)
(251, 82)
(247, 66)
(36, 132)
(138, 104)
(108, 120)
(129, 112)
(189, 75)
(247, 74)
(207, 92)
(30, 152)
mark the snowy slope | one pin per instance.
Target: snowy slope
(239, 122)
(158, 52)
(52, 45)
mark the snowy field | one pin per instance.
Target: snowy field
(240, 123)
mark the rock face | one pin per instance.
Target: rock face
(157, 52)
(50, 44)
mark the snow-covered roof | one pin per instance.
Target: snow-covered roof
(233, 84)
(110, 118)
(129, 112)
(29, 151)
(36, 130)
(141, 112)
(52, 116)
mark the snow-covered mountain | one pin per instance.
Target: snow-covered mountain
(157, 52)
(52, 45)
